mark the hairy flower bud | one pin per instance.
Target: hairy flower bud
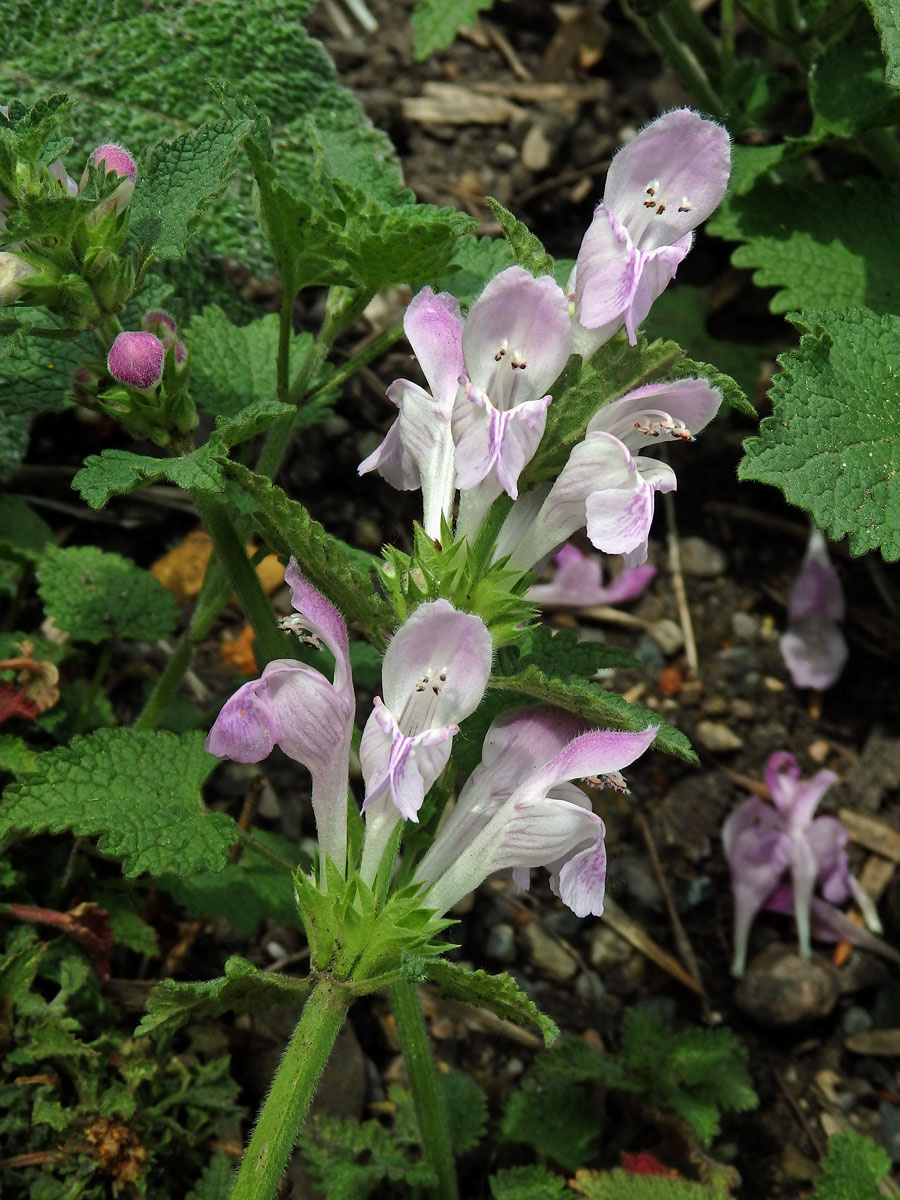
(136, 359)
(116, 159)
(13, 269)
(160, 323)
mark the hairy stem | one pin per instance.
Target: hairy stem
(271, 641)
(430, 1110)
(94, 687)
(289, 1098)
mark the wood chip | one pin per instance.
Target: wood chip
(451, 104)
(493, 103)
(875, 876)
(872, 833)
(881, 1042)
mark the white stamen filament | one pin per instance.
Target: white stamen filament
(418, 711)
(294, 624)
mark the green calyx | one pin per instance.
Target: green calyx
(358, 942)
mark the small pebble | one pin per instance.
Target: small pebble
(771, 684)
(856, 1020)
(550, 958)
(743, 710)
(715, 706)
(744, 626)
(667, 635)
(589, 987)
(718, 738)
(607, 948)
(649, 654)
(501, 943)
(781, 989)
(700, 558)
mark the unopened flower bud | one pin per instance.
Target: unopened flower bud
(161, 323)
(84, 385)
(136, 359)
(181, 355)
(13, 269)
(115, 160)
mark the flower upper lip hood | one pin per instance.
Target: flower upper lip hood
(520, 810)
(659, 188)
(298, 708)
(486, 411)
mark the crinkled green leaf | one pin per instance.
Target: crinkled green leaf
(232, 365)
(499, 993)
(243, 988)
(325, 561)
(549, 1112)
(822, 245)
(23, 534)
(117, 471)
(16, 758)
(14, 437)
(619, 1185)
(18, 971)
(177, 181)
(886, 14)
(527, 250)
(348, 1160)
(833, 440)
(847, 91)
(852, 1169)
(562, 654)
(216, 1181)
(141, 74)
(244, 892)
(466, 1107)
(478, 260)
(595, 704)
(528, 1183)
(37, 374)
(139, 793)
(436, 22)
(94, 595)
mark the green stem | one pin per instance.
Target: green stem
(168, 683)
(251, 843)
(882, 147)
(271, 642)
(693, 33)
(726, 20)
(291, 1093)
(358, 361)
(341, 310)
(94, 687)
(692, 75)
(285, 329)
(430, 1110)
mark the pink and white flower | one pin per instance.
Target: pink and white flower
(520, 809)
(659, 188)
(813, 645)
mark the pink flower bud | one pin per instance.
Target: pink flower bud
(181, 355)
(136, 359)
(156, 320)
(13, 269)
(116, 159)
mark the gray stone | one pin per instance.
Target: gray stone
(718, 738)
(589, 987)
(607, 948)
(744, 626)
(667, 635)
(501, 943)
(550, 958)
(781, 989)
(856, 1020)
(701, 558)
(649, 654)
